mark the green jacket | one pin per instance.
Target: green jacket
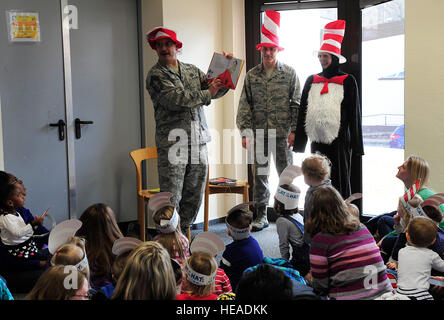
(270, 103)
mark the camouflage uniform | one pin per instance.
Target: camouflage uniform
(269, 103)
(178, 101)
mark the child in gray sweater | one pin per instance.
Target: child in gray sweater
(316, 170)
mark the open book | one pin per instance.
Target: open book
(228, 70)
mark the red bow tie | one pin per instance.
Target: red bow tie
(319, 79)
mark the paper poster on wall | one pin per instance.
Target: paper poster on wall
(23, 26)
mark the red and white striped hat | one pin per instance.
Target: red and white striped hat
(410, 193)
(162, 33)
(270, 30)
(333, 35)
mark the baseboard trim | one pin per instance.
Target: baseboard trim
(212, 222)
(124, 225)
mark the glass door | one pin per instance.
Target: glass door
(300, 35)
(382, 105)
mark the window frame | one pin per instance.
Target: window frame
(350, 11)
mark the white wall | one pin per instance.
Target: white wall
(424, 80)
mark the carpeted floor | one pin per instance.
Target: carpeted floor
(267, 238)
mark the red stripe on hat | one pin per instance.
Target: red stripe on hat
(409, 194)
(275, 16)
(330, 48)
(338, 24)
(417, 184)
(335, 37)
(270, 35)
(406, 197)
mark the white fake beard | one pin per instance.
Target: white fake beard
(323, 117)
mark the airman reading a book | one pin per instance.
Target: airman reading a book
(179, 92)
(267, 113)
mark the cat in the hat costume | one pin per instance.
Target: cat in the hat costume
(329, 113)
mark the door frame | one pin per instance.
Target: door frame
(69, 111)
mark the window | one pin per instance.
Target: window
(300, 36)
(382, 105)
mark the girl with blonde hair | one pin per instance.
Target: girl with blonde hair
(148, 275)
(167, 221)
(73, 253)
(201, 270)
(52, 285)
(173, 240)
(414, 169)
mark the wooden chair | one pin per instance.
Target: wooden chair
(241, 187)
(143, 195)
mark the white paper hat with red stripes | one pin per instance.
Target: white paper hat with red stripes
(125, 244)
(270, 30)
(410, 203)
(159, 201)
(333, 35)
(207, 242)
(288, 198)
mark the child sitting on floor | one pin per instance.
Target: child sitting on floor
(100, 230)
(316, 170)
(201, 270)
(26, 214)
(16, 235)
(66, 248)
(122, 249)
(52, 285)
(416, 261)
(167, 222)
(409, 208)
(5, 294)
(244, 251)
(343, 251)
(290, 224)
(212, 244)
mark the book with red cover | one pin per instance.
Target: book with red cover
(228, 70)
(222, 181)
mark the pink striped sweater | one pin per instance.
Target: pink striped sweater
(348, 267)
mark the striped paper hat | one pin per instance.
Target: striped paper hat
(62, 233)
(270, 30)
(434, 201)
(288, 198)
(159, 201)
(124, 244)
(207, 242)
(332, 39)
(410, 193)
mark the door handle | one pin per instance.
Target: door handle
(61, 125)
(77, 123)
